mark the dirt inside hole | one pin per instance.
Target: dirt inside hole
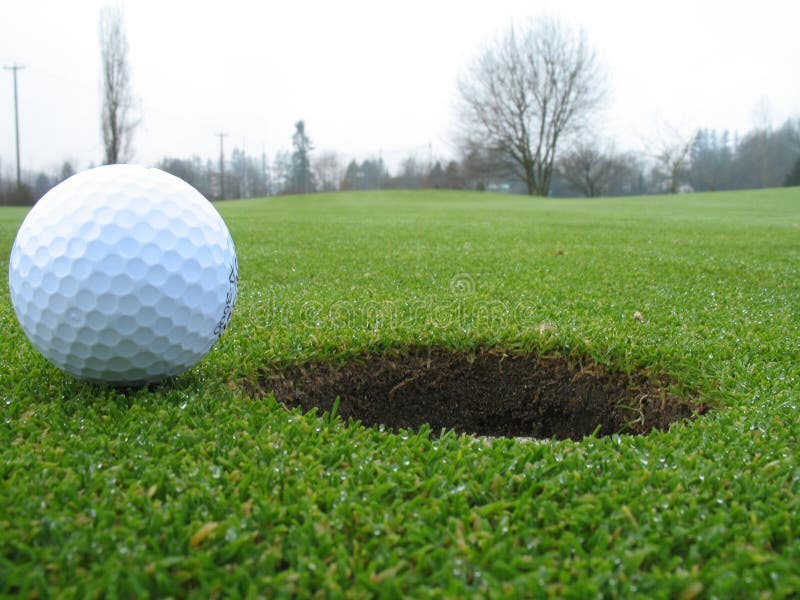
(483, 392)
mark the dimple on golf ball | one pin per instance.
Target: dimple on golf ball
(123, 275)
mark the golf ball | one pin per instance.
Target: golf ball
(123, 275)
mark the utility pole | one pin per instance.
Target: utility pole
(221, 167)
(14, 68)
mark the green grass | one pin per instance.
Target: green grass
(192, 488)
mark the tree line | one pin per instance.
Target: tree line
(528, 119)
(709, 160)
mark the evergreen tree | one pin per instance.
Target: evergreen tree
(350, 180)
(67, 171)
(452, 176)
(436, 176)
(302, 178)
(793, 177)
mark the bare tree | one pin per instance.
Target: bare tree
(117, 121)
(591, 171)
(672, 153)
(328, 171)
(527, 93)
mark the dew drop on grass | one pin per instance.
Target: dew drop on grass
(458, 490)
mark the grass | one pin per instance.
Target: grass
(192, 488)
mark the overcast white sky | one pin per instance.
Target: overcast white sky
(373, 76)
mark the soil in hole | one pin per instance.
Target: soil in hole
(484, 392)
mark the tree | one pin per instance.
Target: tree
(527, 93)
(116, 121)
(411, 174)
(452, 176)
(302, 177)
(247, 178)
(369, 175)
(672, 153)
(327, 170)
(66, 172)
(375, 175)
(192, 170)
(480, 164)
(765, 156)
(350, 178)
(41, 185)
(436, 176)
(282, 172)
(710, 161)
(793, 176)
(591, 171)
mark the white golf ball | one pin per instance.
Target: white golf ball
(123, 275)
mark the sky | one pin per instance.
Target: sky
(373, 78)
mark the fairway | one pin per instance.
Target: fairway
(200, 486)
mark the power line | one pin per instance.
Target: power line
(221, 166)
(14, 68)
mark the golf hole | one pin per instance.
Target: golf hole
(482, 392)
